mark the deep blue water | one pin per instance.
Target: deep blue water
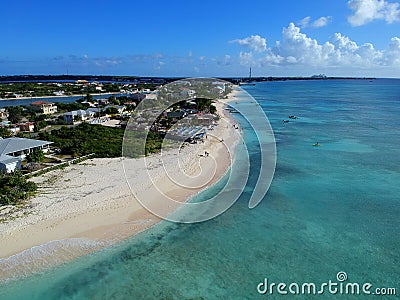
(330, 208)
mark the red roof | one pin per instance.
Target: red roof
(26, 123)
(40, 103)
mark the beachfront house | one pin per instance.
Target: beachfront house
(76, 116)
(176, 115)
(137, 96)
(3, 114)
(14, 129)
(44, 107)
(27, 126)
(9, 164)
(102, 102)
(14, 150)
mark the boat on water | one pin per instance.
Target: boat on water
(246, 83)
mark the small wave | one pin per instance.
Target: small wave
(42, 257)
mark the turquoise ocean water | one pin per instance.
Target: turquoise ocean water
(333, 208)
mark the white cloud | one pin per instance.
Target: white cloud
(226, 60)
(303, 23)
(254, 42)
(393, 52)
(158, 65)
(343, 43)
(271, 59)
(106, 62)
(296, 48)
(246, 59)
(365, 11)
(321, 22)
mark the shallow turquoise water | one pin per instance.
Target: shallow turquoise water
(330, 208)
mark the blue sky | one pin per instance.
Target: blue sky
(207, 38)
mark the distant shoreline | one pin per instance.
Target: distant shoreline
(162, 80)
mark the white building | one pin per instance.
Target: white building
(14, 150)
(9, 164)
(80, 115)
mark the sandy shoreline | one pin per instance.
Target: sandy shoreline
(91, 202)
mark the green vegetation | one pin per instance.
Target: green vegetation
(5, 133)
(103, 141)
(86, 139)
(64, 107)
(153, 143)
(36, 156)
(111, 110)
(38, 89)
(111, 87)
(43, 89)
(205, 105)
(16, 113)
(14, 188)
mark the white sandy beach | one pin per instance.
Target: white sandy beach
(91, 202)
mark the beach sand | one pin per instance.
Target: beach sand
(87, 206)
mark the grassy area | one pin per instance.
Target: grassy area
(103, 141)
(85, 139)
(15, 189)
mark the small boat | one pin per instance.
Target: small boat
(316, 144)
(246, 83)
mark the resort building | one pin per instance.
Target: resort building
(27, 126)
(76, 116)
(3, 114)
(176, 115)
(137, 96)
(14, 150)
(9, 164)
(44, 107)
(14, 129)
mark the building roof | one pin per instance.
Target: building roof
(176, 114)
(93, 110)
(26, 123)
(137, 96)
(39, 103)
(7, 159)
(78, 112)
(14, 144)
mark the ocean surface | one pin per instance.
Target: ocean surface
(330, 209)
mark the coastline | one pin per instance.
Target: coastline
(91, 203)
